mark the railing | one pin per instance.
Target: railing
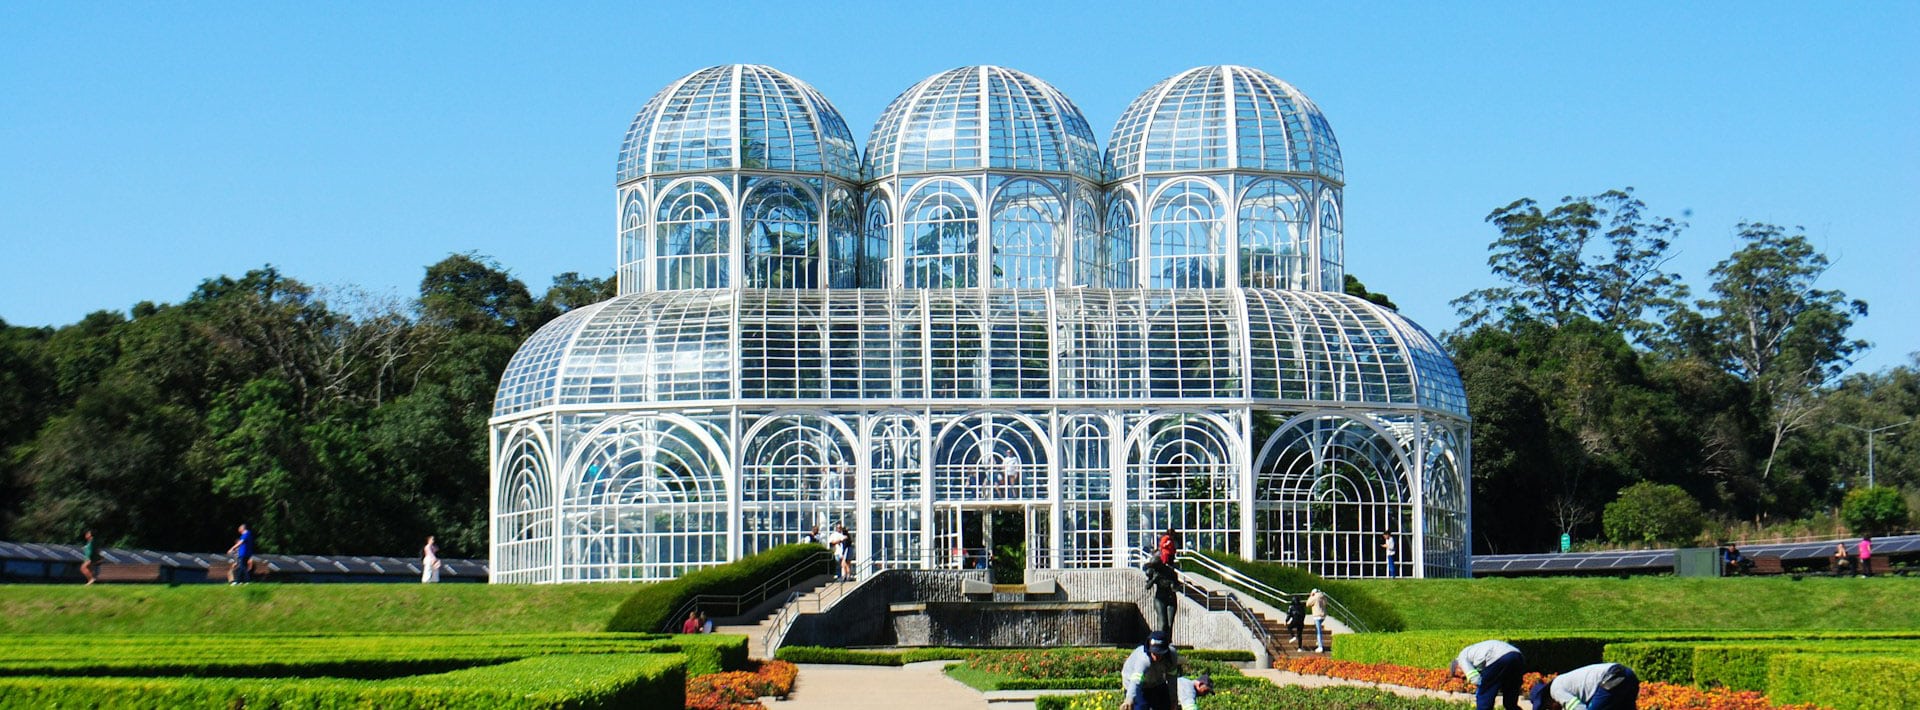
(818, 600)
(740, 603)
(1227, 602)
(1279, 599)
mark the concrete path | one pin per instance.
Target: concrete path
(916, 686)
(922, 686)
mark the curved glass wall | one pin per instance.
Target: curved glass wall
(982, 317)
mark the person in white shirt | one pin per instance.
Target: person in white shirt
(837, 541)
(1317, 603)
(430, 562)
(1492, 667)
(1387, 544)
(1601, 686)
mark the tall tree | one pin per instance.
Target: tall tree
(1769, 325)
(1597, 257)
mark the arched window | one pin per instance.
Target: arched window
(690, 248)
(942, 239)
(878, 252)
(1332, 251)
(1121, 221)
(782, 233)
(1185, 248)
(843, 240)
(1090, 267)
(1027, 226)
(1273, 236)
(633, 239)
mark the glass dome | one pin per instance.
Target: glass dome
(1223, 118)
(738, 116)
(692, 346)
(982, 117)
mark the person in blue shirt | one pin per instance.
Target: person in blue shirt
(242, 552)
(1601, 686)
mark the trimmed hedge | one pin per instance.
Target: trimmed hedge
(1554, 652)
(542, 682)
(647, 609)
(343, 656)
(845, 656)
(1736, 665)
(1266, 696)
(1376, 614)
(1844, 682)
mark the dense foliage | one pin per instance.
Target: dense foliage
(330, 419)
(652, 606)
(1875, 511)
(1654, 513)
(1589, 370)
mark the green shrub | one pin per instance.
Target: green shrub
(1657, 662)
(554, 681)
(1653, 513)
(1844, 682)
(1266, 696)
(1377, 615)
(819, 654)
(1875, 511)
(1435, 649)
(647, 609)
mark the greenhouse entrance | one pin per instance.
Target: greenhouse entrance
(1007, 539)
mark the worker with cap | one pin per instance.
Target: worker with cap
(1189, 691)
(1492, 667)
(1601, 686)
(1148, 678)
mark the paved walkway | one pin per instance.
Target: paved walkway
(922, 686)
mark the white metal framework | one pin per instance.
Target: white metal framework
(987, 316)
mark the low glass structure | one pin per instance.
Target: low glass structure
(983, 327)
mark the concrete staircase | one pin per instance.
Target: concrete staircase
(755, 623)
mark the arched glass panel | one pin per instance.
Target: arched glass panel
(1027, 226)
(1325, 490)
(648, 501)
(879, 244)
(990, 457)
(782, 233)
(523, 529)
(633, 239)
(1332, 246)
(1185, 247)
(1273, 236)
(1182, 473)
(690, 249)
(797, 474)
(942, 239)
(843, 239)
(897, 525)
(1121, 228)
(1090, 266)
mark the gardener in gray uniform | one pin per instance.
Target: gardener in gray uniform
(1601, 686)
(1492, 666)
(1147, 679)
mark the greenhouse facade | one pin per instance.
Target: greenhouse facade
(981, 337)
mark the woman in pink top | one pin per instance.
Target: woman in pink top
(1866, 555)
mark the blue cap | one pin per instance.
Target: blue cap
(1157, 642)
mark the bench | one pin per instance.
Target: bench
(1876, 565)
(1768, 564)
(118, 572)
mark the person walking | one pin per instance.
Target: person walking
(1601, 686)
(838, 542)
(1147, 678)
(1386, 543)
(242, 552)
(430, 562)
(1297, 621)
(1317, 603)
(1493, 667)
(89, 559)
(1866, 555)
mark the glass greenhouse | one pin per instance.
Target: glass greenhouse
(981, 334)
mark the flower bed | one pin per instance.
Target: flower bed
(1653, 696)
(741, 690)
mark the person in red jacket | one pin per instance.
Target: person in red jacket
(1169, 546)
(692, 624)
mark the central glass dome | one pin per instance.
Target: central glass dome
(982, 117)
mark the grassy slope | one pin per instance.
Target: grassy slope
(303, 608)
(1654, 603)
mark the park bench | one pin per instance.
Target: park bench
(217, 572)
(1768, 564)
(118, 572)
(1876, 565)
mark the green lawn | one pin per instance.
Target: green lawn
(1654, 603)
(307, 608)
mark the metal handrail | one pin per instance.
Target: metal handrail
(739, 603)
(1227, 602)
(1234, 577)
(864, 571)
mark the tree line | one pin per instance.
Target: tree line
(1592, 371)
(338, 421)
(332, 420)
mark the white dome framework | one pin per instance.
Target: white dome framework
(967, 329)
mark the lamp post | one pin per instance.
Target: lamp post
(1870, 433)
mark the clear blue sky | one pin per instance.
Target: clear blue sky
(145, 147)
